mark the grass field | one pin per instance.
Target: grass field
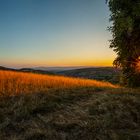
(13, 83)
(41, 107)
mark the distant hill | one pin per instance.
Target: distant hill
(109, 74)
(31, 70)
(58, 69)
(35, 71)
(5, 68)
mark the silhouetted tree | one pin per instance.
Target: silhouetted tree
(125, 18)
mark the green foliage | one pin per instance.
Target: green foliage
(125, 18)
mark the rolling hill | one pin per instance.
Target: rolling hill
(109, 74)
(58, 69)
(29, 70)
(48, 107)
(13, 82)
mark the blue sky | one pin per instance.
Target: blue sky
(54, 33)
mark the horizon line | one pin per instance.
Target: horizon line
(55, 66)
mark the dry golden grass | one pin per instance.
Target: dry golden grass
(66, 112)
(13, 83)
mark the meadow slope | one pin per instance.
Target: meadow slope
(13, 83)
(41, 107)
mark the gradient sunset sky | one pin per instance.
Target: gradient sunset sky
(54, 33)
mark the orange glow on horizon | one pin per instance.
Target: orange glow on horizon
(66, 63)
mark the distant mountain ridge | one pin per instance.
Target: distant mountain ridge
(5, 68)
(32, 70)
(57, 69)
(44, 69)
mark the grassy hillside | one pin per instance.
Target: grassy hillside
(41, 107)
(12, 83)
(109, 74)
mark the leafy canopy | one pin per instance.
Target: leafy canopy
(125, 29)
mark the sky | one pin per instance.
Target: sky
(54, 33)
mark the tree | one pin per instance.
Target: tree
(125, 29)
